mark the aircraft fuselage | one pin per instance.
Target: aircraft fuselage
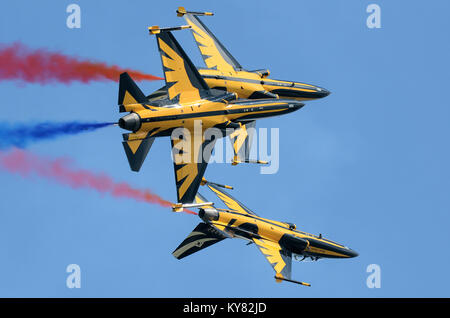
(252, 227)
(159, 121)
(256, 84)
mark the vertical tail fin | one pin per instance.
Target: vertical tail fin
(129, 92)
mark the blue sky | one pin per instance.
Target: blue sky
(367, 166)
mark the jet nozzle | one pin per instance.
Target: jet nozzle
(130, 122)
(208, 214)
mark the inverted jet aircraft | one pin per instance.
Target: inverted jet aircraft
(224, 71)
(278, 241)
(190, 105)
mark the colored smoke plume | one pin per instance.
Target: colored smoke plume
(18, 62)
(60, 170)
(21, 135)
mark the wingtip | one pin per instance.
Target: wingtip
(181, 11)
(156, 29)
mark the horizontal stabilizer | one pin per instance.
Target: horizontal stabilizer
(136, 151)
(202, 236)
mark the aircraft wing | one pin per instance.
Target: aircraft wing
(201, 237)
(183, 82)
(215, 55)
(279, 258)
(242, 140)
(190, 155)
(229, 201)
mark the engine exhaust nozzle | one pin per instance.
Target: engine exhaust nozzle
(131, 122)
(208, 214)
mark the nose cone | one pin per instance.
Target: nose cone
(351, 253)
(301, 91)
(294, 104)
(131, 122)
(321, 92)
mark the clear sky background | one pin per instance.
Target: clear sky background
(368, 166)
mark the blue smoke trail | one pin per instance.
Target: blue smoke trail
(21, 135)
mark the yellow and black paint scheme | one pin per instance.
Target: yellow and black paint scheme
(224, 71)
(278, 241)
(184, 109)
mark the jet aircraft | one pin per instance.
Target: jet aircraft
(278, 241)
(188, 103)
(224, 71)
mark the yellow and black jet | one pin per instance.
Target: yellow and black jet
(278, 241)
(224, 71)
(189, 105)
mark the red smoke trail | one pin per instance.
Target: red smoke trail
(18, 62)
(59, 170)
